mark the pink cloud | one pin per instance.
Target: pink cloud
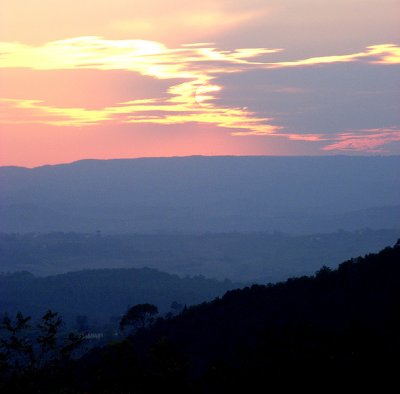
(303, 137)
(369, 140)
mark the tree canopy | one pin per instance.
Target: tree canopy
(138, 316)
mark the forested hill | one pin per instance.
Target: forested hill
(363, 293)
(340, 327)
(103, 293)
(343, 322)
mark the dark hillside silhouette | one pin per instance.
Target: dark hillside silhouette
(339, 328)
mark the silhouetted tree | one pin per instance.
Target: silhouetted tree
(52, 347)
(138, 316)
(24, 347)
(16, 349)
(323, 272)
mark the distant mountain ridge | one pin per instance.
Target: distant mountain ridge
(198, 194)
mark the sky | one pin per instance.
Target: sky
(125, 78)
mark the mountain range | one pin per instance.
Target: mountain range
(298, 195)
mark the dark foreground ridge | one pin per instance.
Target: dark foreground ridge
(340, 327)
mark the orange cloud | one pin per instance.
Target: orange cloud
(138, 111)
(388, 53)
(189, 101)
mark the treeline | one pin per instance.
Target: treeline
(338, 328)
(103, 295)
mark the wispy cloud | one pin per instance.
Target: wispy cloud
(369, 140)
(188, 101)
(379, 54)
(137, 111)
(193, 92)
(145, 57)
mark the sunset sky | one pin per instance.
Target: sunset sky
(125, 78)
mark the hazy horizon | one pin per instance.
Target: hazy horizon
(298, 195)
(88, 159)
